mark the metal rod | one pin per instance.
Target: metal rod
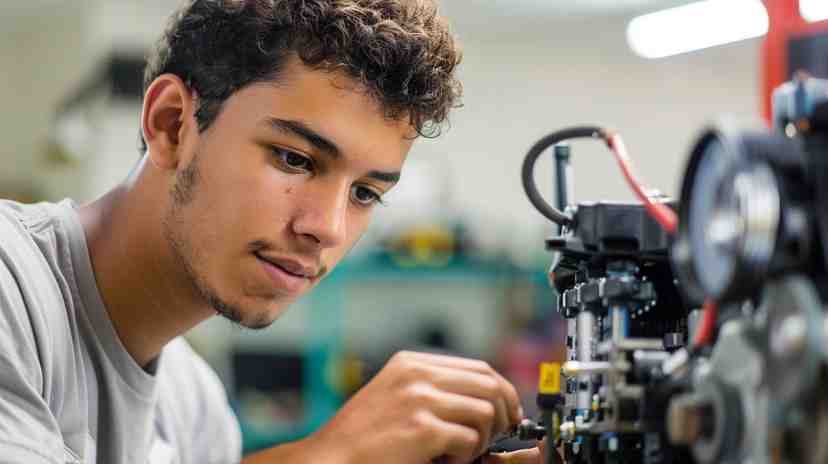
(563, 177)
(585, 339)
(630, 344)
(574, 368)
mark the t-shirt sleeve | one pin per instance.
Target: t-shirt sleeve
(29, 433)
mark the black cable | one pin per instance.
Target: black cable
(528, 172)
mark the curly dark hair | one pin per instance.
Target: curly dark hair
(401, 52)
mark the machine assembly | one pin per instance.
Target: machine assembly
(697, 328)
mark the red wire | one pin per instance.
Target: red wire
(665, 216)
(704, 334)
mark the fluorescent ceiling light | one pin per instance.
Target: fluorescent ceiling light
(697, 26)
(814, 10)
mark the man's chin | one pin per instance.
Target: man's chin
(249, 318)
(254, 322)
(258, 324)
(261, 317)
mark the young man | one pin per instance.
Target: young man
(270, 130)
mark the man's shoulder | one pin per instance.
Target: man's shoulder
(32, 249)
(13, 232)
(27, 231)
(32, 300)
(12, 212)
(28, 291)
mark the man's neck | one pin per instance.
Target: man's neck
(149, 300)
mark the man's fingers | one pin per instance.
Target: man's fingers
(530, 456)
(463, 410)
(469, 383)
(475, 385)
(512, 399)
(507, 390)
(460, 443)
(502, 422)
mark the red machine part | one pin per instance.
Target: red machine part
(786, 22)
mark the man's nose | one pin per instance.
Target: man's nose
(322, 215)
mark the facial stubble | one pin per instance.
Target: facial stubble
(182, 195)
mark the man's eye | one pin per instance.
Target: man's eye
(293, 160)
(364, 196)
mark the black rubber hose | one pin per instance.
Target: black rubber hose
(528, 172)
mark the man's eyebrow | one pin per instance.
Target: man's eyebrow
(390, 177)
(302, 130)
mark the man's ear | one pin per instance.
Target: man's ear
(166, 118)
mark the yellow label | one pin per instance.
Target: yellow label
(550, 378)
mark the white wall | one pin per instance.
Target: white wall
(47, 48)
(41, 57)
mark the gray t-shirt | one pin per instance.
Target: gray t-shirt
(69, 391)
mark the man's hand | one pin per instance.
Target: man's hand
(421, 407)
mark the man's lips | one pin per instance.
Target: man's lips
(288, 275)
(292, 266)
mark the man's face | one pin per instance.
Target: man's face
(278, 190)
